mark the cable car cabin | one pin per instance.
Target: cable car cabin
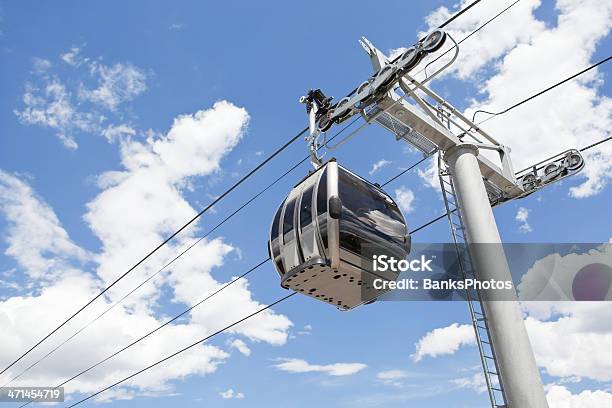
(326, 232)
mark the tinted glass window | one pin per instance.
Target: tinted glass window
(276, 221)
(363, 199)
(306, 208)
(322, 194)
(288, 218)
(371, 223)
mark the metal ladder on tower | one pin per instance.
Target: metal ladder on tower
(477, 313)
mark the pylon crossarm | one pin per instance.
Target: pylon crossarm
(409, 109)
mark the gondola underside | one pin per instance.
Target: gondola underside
(344, 289)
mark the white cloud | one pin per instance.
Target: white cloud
(50, 102)
(115, 394)
(306, 330)
(230, 394)
(51, 106)
(559, 396)
(572, 343)
(521, 216)
(475, 382)
(35, 237)
(73, 57)
(26, 318)
(445, 340)
(516, 26)
(522, 51)
(240, 346)
(143, 200)
(430, 176)
(391, 375)
(404, 198)
(41, 65)
(114, 132)
(294, 365)
(175, 26)
(117, 84)
(379, 165)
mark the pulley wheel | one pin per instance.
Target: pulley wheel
(409, 59)
(551, 168)
(529, 182)
(384, 71)
(339, 106)
(574, 161)
(363, 86)
(434, 41)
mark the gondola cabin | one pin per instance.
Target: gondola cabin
(326, 232)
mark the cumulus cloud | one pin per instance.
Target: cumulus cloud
(568, 338)
(559, 396)
(445, 340)
(34, 235)
(516, 26)
(379, 165)
(404, 198)
(521, 217)
(241, 346)
(430, 176)
(144, 200)
(294, 365)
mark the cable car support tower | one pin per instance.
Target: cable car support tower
(475, 173)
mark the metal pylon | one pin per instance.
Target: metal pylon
(477, 313)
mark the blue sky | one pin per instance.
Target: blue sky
(172, 59)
